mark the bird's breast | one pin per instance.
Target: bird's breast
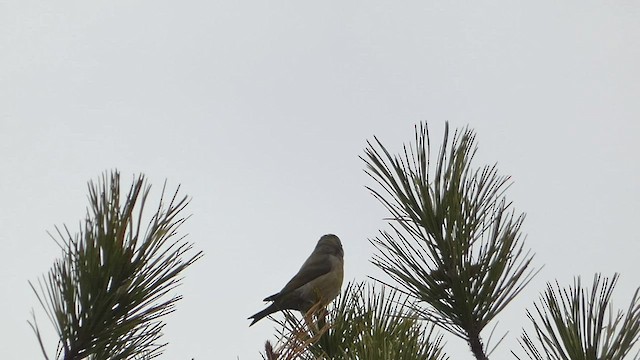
(326, 287)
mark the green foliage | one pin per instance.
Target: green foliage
(456, 253)
(107, 294)
(455, 242)
(578, 324)
(363, 323)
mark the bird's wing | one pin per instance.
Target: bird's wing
(309, 271)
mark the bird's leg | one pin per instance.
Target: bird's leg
(322, 317)
(315, 318)
(308, 320)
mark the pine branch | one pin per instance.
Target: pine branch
(107, 294)
(364, 322)
(577, 323)
(455, 242)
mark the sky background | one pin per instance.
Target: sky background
(260, 109)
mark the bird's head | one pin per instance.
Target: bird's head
(330, 244)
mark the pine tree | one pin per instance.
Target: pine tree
(454, 252)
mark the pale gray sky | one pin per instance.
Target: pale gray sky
(260, 110)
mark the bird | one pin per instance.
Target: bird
(318, 281)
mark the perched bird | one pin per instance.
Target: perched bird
(318, 281)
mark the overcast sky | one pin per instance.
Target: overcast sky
(260, 109)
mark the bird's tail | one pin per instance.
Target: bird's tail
(261, 314)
